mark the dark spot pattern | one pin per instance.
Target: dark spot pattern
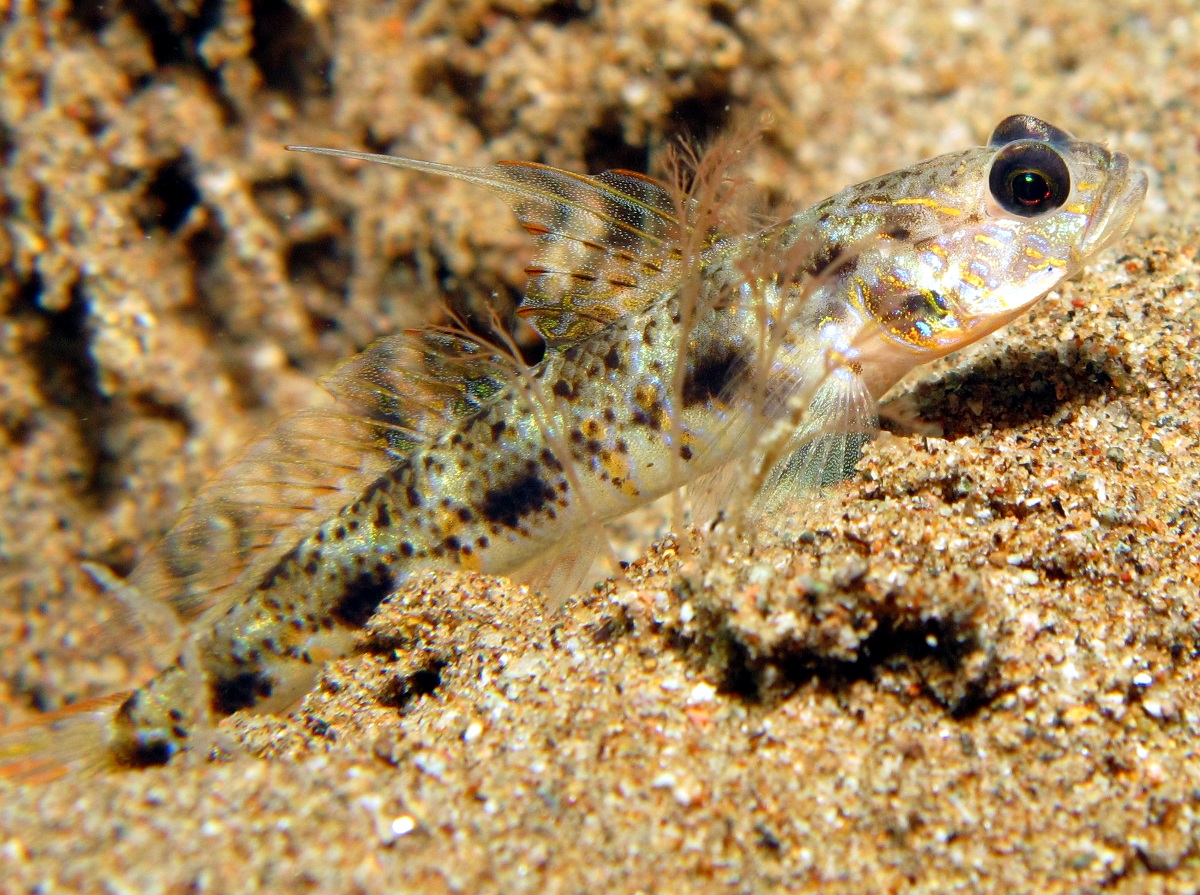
(550, 461)
(383, 516)
(150, 750)
(508, 504)
(709, 376)
(821, 260)
(281, 570)
(362, 595)
(242, 691)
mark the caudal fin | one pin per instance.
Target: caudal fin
(72, 740)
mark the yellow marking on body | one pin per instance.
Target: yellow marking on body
(1048, 263)
(322, 654)
(837, 360)
(449, 523)
(930, 203)
(619, 470)
(987, 240)
(895, 282)
(470, 562)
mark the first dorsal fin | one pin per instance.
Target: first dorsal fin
(400, 392)
(609, 245)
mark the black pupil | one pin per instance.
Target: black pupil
(1030, 187)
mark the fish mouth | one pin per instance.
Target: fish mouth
(1116, 205)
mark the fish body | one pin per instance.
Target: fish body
(679, 353)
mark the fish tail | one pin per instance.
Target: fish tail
(76, 739)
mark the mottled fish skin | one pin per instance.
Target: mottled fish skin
(804, 324)
(486, 497)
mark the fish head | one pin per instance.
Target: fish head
(963, 244)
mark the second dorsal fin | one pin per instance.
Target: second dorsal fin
(400, 392)
(416, 384)
(609, 245)
(250, 514)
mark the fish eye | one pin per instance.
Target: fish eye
(1029, 179)
(1026, 127)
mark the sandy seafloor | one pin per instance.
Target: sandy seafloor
(973, 668)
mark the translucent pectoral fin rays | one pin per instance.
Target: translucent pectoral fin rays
(807, 438)
(839, 420)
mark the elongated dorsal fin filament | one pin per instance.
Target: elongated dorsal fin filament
(608, 245)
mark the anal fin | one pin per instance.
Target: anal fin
(564, 569)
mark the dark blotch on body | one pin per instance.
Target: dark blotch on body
(821, 260)
(150, 751)
(362, 596)
(708, 377)
(144, 749)
(242, 691)
(509, 504)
